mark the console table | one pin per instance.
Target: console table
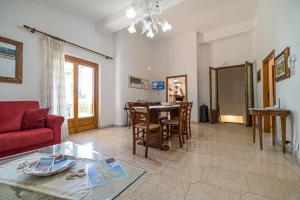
(273, 112)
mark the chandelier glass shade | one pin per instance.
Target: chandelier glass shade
(148, 14)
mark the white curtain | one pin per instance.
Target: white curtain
(54, 79)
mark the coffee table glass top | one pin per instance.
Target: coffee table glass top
(107, 191)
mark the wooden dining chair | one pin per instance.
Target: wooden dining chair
(179, 124)
(142, 129)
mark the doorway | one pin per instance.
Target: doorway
(176, 88)
(81, 94)
(231, 93)
(269, 92)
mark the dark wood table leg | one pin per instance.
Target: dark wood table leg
(283, 132)
(274, 131)
(253, 127)
(259, 115)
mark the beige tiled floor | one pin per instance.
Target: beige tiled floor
(220, 162)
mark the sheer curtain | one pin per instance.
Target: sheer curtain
(54, 79)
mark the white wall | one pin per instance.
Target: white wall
(132, 57)
(177, 56)
(277, 26)
(14, 13)
(228, 51)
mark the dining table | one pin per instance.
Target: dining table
(154, 117)
(156, 110)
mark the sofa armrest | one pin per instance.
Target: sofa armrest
(55, 122)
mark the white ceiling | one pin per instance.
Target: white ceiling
(91, 10)
(209, 15)
(184, 15)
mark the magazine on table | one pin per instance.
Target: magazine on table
(43, 165)
(103, 172)
(51, 164)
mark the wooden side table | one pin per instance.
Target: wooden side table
(260, 113)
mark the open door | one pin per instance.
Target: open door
(213, 93)
(269, 96)
(249, 94)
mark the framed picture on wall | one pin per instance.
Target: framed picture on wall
(138, 83)
(258, 75)
(11, 60)
(282, 70)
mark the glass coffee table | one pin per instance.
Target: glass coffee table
(14, 184)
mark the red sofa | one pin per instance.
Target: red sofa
(13, 140)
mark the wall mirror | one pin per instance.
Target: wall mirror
(11, 60)
(176, 90)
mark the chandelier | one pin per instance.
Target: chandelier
(148, 14)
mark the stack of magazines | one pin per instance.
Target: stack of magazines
(103, 172)
(51, 164)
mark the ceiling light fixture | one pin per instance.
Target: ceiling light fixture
(147, 13)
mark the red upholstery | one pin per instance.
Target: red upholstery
(21, 139)
(11, 114)
(34, 118)
(13, 140)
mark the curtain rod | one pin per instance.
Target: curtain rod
(33, 30)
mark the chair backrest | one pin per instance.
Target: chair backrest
(183, 112)
(139, 113)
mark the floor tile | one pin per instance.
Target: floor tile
(225, 179)
(201, 191)
(273, 188)
(219, 162)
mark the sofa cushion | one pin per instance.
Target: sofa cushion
(34, 118)
(23, 139)
(11, 114)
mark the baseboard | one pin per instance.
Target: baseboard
(106, 126)
(118, 125)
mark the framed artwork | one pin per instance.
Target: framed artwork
(139, 83)
(258, 75)
(176, 90)
(11, 61)
(282, 70)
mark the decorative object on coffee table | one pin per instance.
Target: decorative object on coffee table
(282, 70)
(11, 60)
(29, 169)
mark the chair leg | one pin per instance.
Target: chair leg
(147, 144)
(161, 133)
(190, 130)
(126, 119)
(187, 132)
(134, 141)
(180, 138)
(182, 134)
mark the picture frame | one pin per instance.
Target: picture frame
(138, 83)
(258, 75)
(282, 70)
(11, 61)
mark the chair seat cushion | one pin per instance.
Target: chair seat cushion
(170, 122)
(144, 126)
(22, 139)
